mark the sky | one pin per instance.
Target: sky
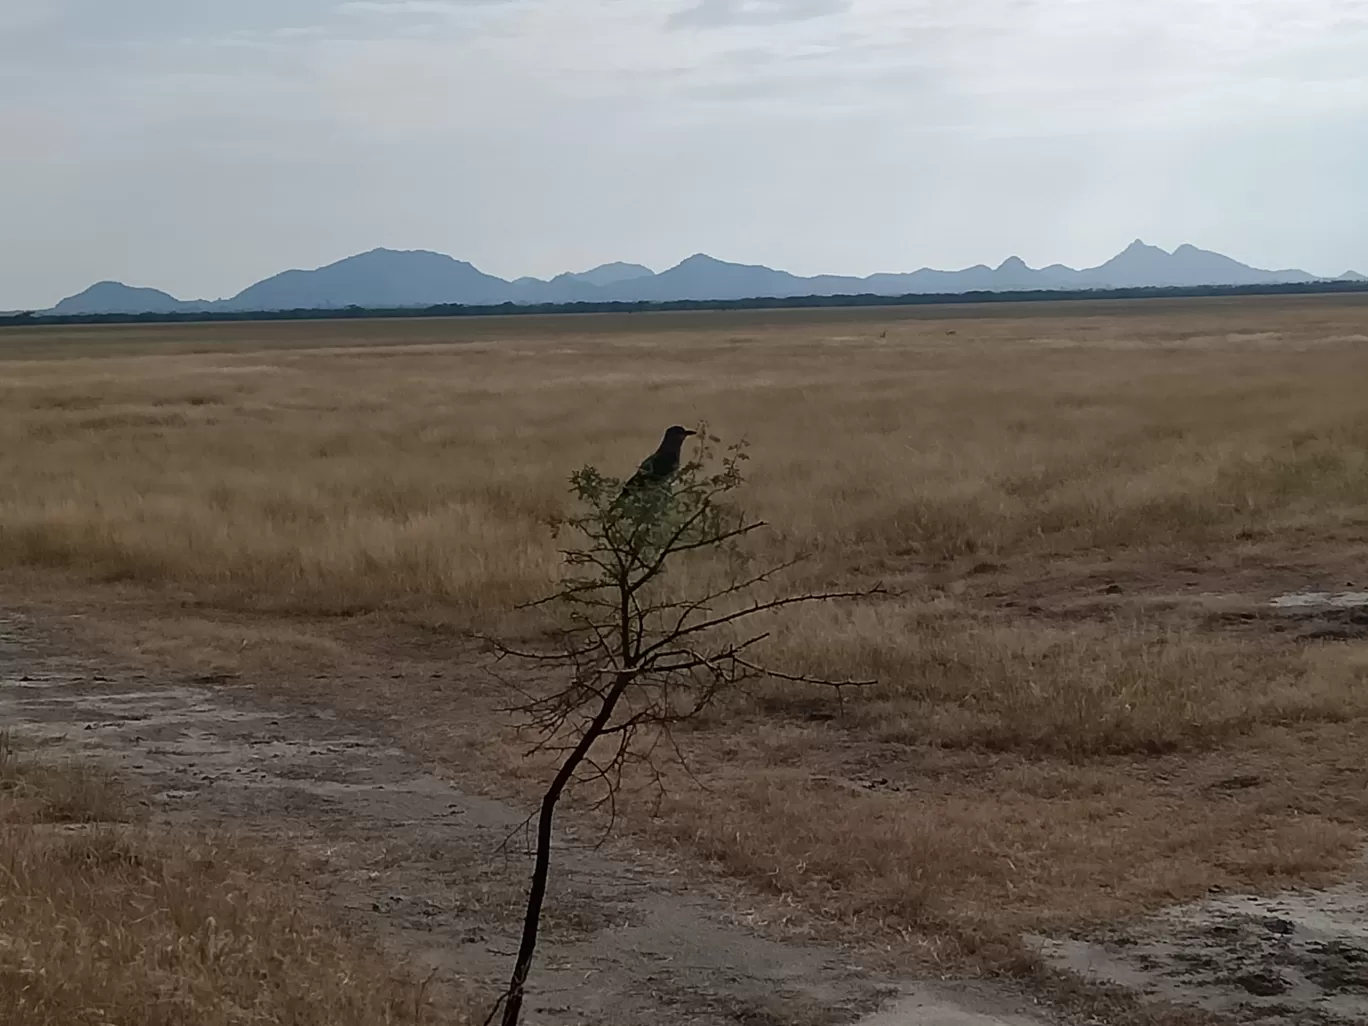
(199, 145)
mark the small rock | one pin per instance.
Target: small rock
(1263, 984)
(1238, 782)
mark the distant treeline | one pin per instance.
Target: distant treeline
(644, 306)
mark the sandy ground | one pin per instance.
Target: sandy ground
(629, 938)
(1297, 957)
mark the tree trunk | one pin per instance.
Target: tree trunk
(541, 868)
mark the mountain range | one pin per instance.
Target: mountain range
(386, 278)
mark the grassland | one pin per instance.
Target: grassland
(104, 920)
(1085, 707)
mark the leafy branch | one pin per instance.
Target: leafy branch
(641, 644)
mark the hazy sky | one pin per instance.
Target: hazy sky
(197, 145)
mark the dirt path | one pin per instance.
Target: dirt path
(1297, 957)
(629, 939)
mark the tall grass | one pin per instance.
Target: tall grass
(106, 923)
(411, 466)
(345, 479)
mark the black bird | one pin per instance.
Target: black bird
(656, 468)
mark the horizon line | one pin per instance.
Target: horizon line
(1137, 242)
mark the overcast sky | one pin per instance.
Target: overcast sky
(198, 145)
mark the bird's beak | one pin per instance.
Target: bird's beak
(687, 432)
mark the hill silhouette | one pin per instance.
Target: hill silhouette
(116, 297)
(397, 279)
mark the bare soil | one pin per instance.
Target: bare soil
(367, 758)
(1295, 957)
(1234, 588)
(439, 873)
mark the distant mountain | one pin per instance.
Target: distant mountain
(380, 278)
(582, 286)
(416, 278)
(1141, 265)
(116, 297)
(702, 277)
(611, 274)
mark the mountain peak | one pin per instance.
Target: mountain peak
(383, 278)
(400, 255)
(702, 260)
(116, 297)
(611, 273)
(1141, 246)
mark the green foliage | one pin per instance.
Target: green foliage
(624, 542)
(643, 649)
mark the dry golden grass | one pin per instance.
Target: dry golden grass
(962, 850)
(101, 923)
(65, 791)
(1048, 755)
(1077, 690)
(346, 479)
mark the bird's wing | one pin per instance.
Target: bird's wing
(642, 475)
(647, 473)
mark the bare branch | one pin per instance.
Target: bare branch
(764, 607)
(735, 588)
(675, 547)
(639, 659)
(799, 678)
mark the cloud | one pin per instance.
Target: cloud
(411, 8)
(25, 16)
(721, 13)
(535, 135)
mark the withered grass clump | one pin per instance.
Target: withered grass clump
(57, 790)
(109, 923)
(344, 467)
(1084, 691)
